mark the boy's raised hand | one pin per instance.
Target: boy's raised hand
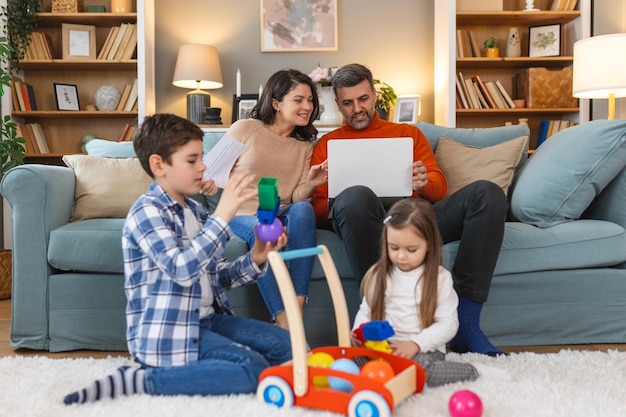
(235, 194)
(262, 249)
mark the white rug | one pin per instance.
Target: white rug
(570, 383)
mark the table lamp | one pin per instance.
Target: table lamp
(600, 68)
(198, 67)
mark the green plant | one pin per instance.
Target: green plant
(12, 147)
(490, 43)
(20, 17)
(385, 96)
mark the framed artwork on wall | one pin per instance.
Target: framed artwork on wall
(407, 109)
(243, 105)
(544, 40)
(297, 26)
(79, 41)
(66, 96)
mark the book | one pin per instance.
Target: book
(106, 47)
(129, 51)
(20, 132)
(461, 95)
(505, 94)
(132, 97)
(25, 97)
(20, 94)
(464, 87)
(483, 90)
(129, 134)
(459, 44)
(542, 132)
(124, 131)
(50, 45)
(130, 29)
(15, 100)
(31, 96)
(40, 138)
(495, 95)
(123, 98)
(472, 93)
(476, 50)
(117, 41)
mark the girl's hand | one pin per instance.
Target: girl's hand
(318, 174)
(406, 349)
(355, 341)
(262, 249)
(235, 194)
(208, 188)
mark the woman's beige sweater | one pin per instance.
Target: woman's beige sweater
(270, 155)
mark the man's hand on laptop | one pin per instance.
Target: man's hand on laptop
(420, 176)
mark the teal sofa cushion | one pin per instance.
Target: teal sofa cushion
(567, 172)
(109, 148)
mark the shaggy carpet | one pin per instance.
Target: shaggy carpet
(568, 383)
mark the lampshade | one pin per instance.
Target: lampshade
(197, 66)
(600, 68)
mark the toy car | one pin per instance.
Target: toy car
(292, 384)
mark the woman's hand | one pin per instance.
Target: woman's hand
(318, 174)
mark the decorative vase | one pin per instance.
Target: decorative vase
(330, 115)
(121, 6)
(513, 48)
(107, 98)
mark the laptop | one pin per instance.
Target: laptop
(383, 164)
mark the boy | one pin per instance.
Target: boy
(180, 325)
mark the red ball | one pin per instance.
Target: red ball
(378, 370)
(465, 403)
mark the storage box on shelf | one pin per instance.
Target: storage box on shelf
(544, 87)
(574, 24)
(64, 130)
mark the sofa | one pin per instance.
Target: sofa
(560, 277)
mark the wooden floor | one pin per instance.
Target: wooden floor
(7, 350)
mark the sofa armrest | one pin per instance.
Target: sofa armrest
(41, 199)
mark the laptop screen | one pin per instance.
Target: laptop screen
(383, 164)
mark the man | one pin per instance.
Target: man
(474, 215)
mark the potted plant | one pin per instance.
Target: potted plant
(385, 99)
(491, 48)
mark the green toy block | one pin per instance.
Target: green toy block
(268, 193)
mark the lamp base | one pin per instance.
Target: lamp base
(197, 102)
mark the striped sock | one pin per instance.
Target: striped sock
(124, 381)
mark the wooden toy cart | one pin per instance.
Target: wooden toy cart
(291, 383)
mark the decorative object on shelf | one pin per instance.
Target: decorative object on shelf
(238, 81)
(544, 40)
(546, 87)
(79, 41)
(530, 6)
(121, 6)
(243, 105)
(213, 116)
(198, 67)
(513, 46)
(490, 46)
(67, 6)
(91, 107)
(107, 98)
(323, 76)
(96, 8)
(385, 99)
(408, 108)
(523, 121)
(24, 18)
(12, 144)
(519, 103)
(296, 26)
(66, 96)
(600, 69)
(331, 114)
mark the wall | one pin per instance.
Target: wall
(393, 38)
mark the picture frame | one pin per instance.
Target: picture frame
(284, 30)
(66, 96)
(544, 40)
(243, 105)
(407, 109)
(79, 41)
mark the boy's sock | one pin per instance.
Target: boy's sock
(124, 381)
(470, 337)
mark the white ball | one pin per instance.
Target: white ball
(107, 97)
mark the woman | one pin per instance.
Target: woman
(278, 137)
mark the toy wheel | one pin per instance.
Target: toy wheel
(275, 390)
(368, 404)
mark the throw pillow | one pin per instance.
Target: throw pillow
(103, 147)
(464, 164)
(105, 187)
(568, 171)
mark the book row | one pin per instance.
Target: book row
(474, 93)
(466, 44)
(563, 5)
(547, 128)
(40, 47)
(36, 142)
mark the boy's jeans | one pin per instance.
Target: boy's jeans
(233, 352)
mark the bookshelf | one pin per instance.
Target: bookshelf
(64, 129)
(575, 25)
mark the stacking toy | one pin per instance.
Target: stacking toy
(374, 335)
(269, 228)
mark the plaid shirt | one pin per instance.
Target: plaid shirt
(162, 277)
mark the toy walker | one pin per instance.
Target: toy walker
(297, 383)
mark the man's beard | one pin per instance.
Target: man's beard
(362, 124)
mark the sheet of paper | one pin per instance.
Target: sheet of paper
(220, 159)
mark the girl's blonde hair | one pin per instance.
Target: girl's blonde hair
(419, 215)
